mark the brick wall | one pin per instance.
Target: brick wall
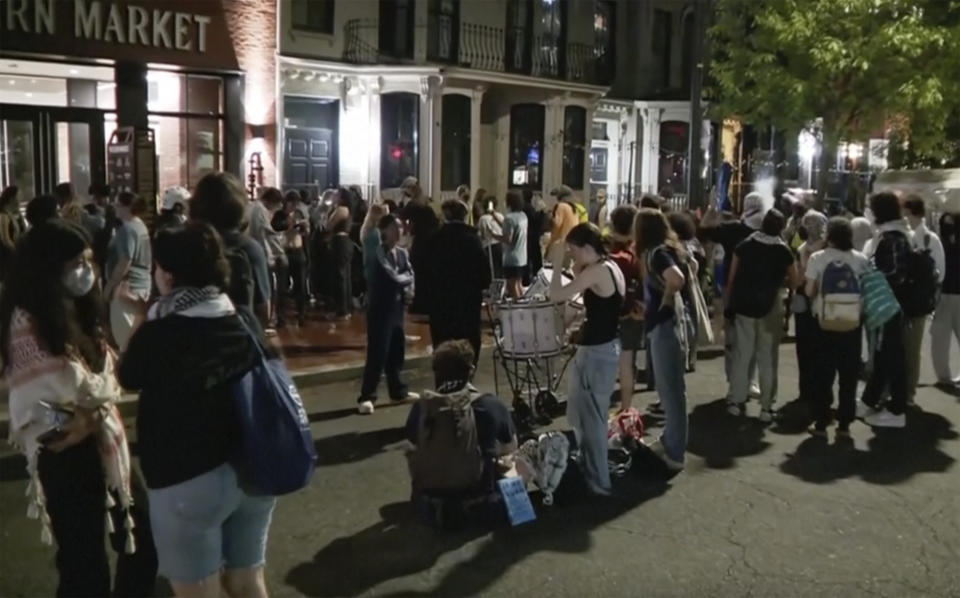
(253, 27)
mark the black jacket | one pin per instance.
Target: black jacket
(184, 368)
(459, 272)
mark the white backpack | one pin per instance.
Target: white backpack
(840, 305)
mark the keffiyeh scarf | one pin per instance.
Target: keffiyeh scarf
(35, 375)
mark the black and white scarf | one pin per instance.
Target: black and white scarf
(192, 301)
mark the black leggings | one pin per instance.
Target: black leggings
(73, 482)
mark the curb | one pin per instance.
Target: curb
(318, 376)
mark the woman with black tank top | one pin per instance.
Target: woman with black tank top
(594, 371)
(667, 302)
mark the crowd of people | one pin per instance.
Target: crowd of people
(97, 297)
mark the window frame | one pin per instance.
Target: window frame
(327, 6)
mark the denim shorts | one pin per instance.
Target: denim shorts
(207, 524)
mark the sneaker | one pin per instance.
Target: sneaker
(885, 419)
(864, 410)
(657, 448)
(767, 415)
(734, 408)
(365, 408)
(270, 332)
(754, 390)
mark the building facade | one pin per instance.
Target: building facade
(495, 94)
(642, 126)
(200, 75)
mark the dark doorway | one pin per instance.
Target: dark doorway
(311, 129)
(396, 28)
(399, 128)
(526, 146)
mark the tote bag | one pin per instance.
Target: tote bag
(879, 302)
(277, 454)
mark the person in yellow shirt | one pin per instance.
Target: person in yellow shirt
(564, 215)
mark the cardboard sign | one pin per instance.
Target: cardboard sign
(515, 497)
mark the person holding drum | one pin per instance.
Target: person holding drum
(595, 364)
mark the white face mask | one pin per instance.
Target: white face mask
(80, 280)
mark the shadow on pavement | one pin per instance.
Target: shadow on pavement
(323, 416)
(13, 467)
(400, 545)
(720, 438)
(892, 456)
(355, 446)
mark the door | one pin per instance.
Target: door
(309, 159)
(41, 147)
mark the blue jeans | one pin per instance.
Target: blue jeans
(209, 523)
(669, 367)
(592, 380)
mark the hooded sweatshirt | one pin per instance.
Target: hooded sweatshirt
(183, 362)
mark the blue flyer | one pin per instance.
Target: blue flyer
(519, 507)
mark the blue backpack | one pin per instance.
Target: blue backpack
(277, 454)
(839, 303)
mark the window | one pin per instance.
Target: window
(574, 145)
(313, 15)
(396, 28)
(604, 38)
(455, 149)
(662, 41)
(399, 126)
(552, 48)
(519, 35)
(186, 113)
(444, 31)
(526, 145)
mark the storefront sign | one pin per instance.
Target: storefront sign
(172, 31)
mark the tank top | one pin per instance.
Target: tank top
(603, 314)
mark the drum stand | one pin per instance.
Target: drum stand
(533, 381)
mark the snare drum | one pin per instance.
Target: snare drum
(532, 329)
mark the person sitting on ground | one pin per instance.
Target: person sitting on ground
(439, 467)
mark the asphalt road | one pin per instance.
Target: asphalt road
(758, 512)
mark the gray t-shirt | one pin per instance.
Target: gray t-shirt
(132, 241)
(515, 231)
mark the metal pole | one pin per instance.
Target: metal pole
(695, 152)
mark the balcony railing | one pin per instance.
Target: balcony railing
(487, 49)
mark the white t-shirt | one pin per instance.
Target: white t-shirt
(819, 260)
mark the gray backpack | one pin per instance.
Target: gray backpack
(447, 456)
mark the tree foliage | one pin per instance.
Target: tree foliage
(859, 65)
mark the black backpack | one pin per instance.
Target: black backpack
(921, 289)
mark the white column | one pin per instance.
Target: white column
(552, 158)
(588, 144)
(431, 181)
(651, 149)
(374, 144)
(476, 103)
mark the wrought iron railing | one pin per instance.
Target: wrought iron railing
(487, 49)
(361, 41)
